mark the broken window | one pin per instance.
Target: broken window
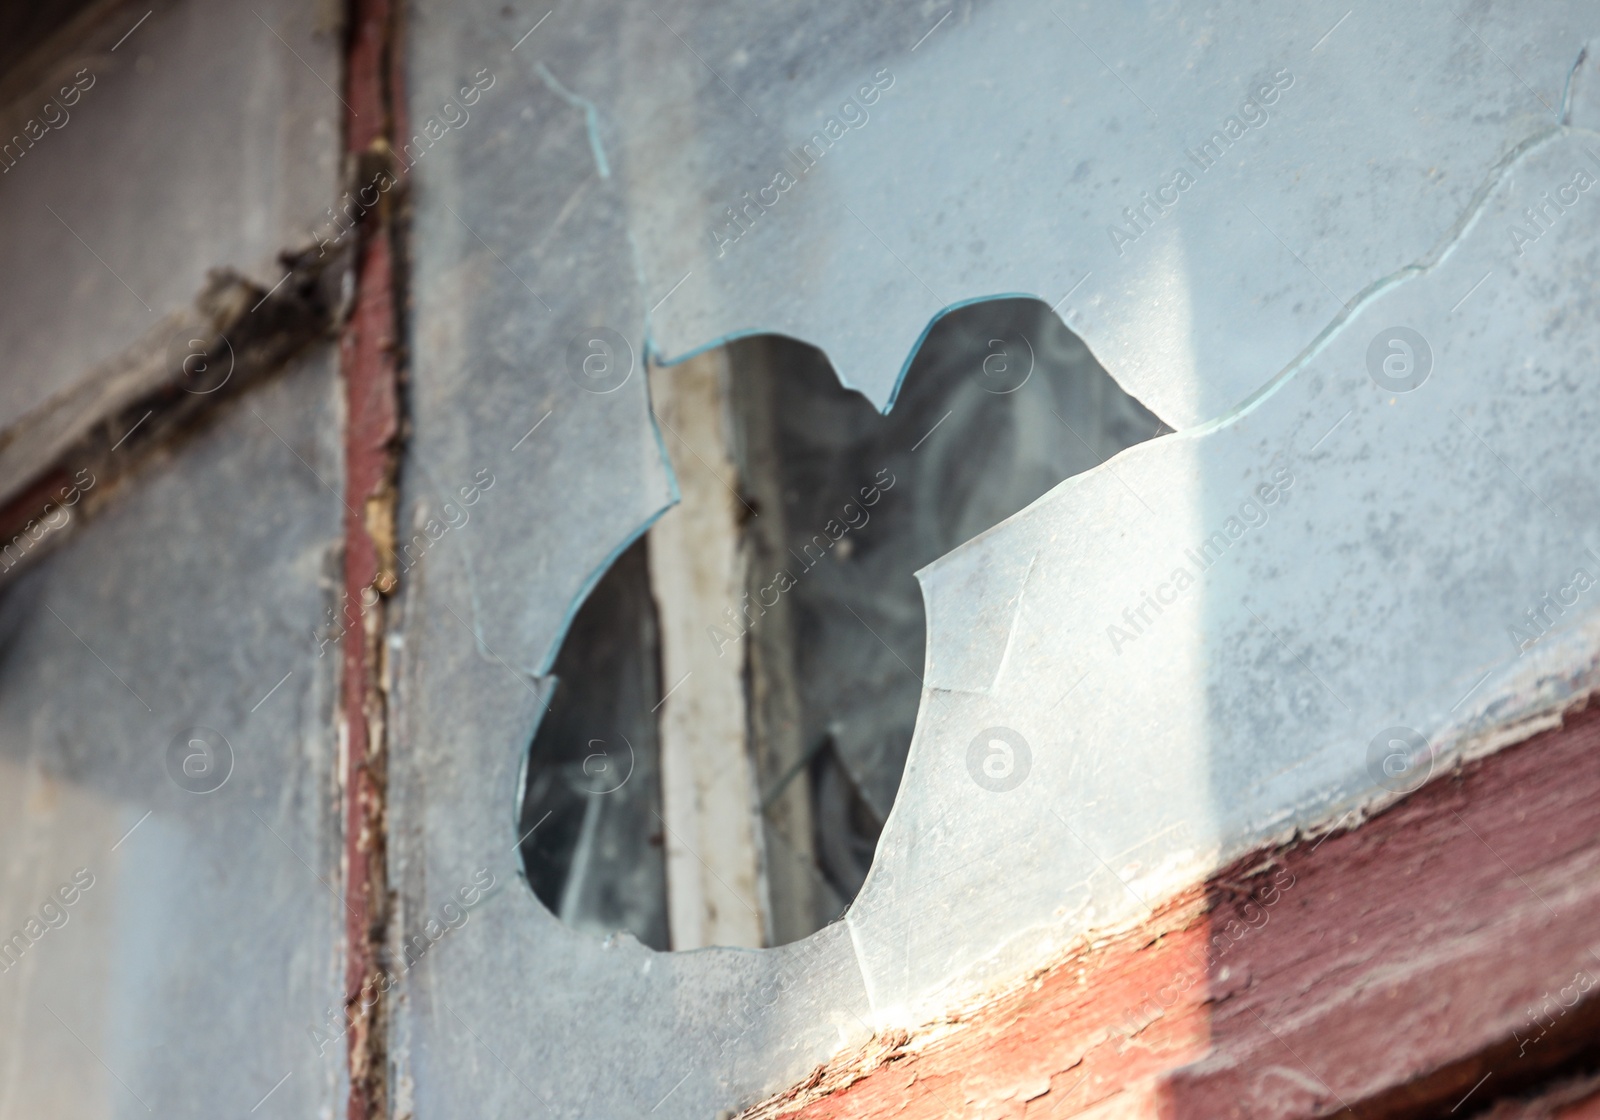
(782, 591)
(1347, 251)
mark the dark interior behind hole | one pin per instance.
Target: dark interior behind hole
(1001, 403)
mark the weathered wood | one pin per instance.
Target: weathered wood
(1576, 1099)
(1384, 970)
(369, 359)
(715, 888)
(800, 899)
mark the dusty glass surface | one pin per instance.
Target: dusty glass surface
(168, 808)
(1370, 349)
(108, 239)
(1096, 157)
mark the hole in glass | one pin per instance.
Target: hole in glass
(736, 697)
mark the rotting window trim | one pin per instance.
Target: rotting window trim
(370, 361)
